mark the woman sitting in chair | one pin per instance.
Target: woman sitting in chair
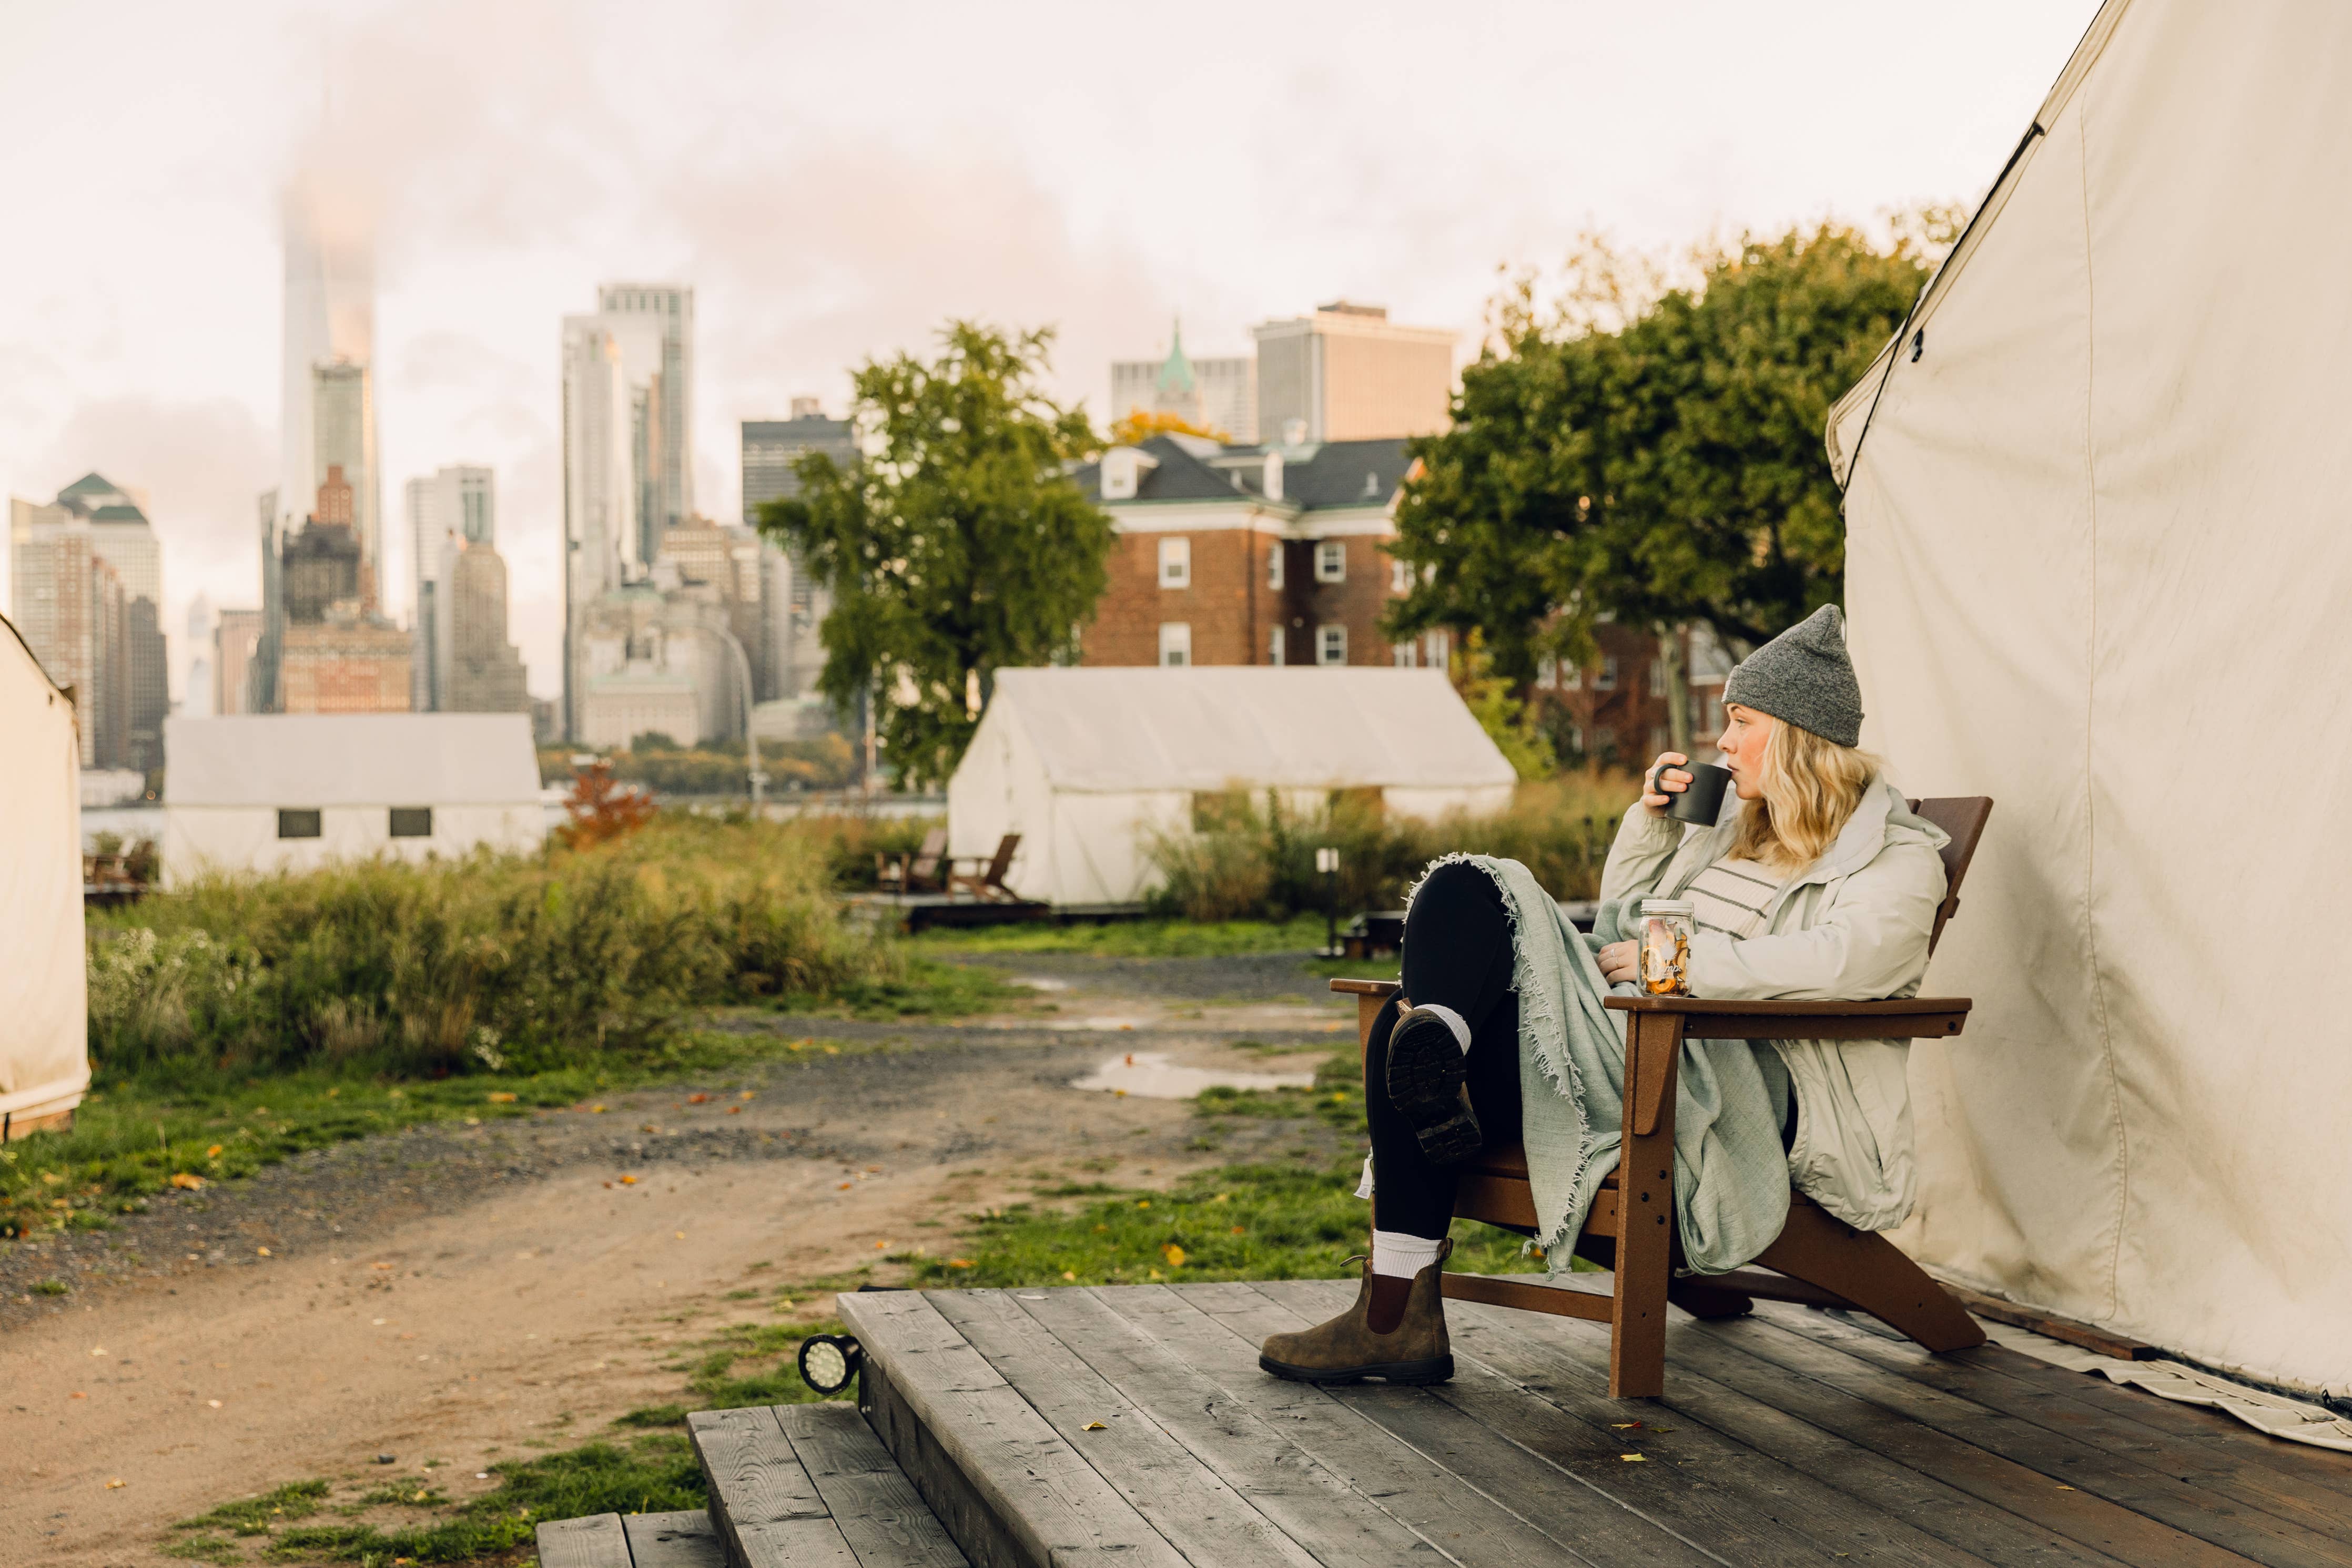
(1816, 882)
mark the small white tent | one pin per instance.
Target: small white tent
(2097, 560)
(1086, 764)
(43, 997)
(294, 791)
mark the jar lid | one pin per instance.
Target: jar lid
(1667, 907)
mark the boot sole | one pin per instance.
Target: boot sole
(1427, 1085)
(1406, 1371)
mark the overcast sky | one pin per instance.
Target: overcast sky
(835, 181)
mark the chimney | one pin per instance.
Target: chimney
(1274, 474)
(1294, 432)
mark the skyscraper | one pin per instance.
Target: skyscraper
(1348, 373)
(66, 599)
(789, 656)
(338, 653)
(484, 673)
(460, 503)
(120, 531)
(1218, 394)
(628, 458)
(327, 416)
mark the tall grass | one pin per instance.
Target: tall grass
(1249, 857)
(525, 962)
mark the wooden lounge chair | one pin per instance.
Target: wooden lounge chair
(987, 882)
(1817, 1259)
(898, 874)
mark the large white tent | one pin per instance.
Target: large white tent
(1087, 764)
(264, 792)
(2098, 556)
(44, 1000)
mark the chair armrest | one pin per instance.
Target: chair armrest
(1381, 988)
(1904, 1017)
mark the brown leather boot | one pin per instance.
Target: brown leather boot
(1345, 1350)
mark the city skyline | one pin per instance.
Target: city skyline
(505, 180)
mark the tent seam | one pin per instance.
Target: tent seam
(2090, 684)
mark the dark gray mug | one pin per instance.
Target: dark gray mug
(1702, 801)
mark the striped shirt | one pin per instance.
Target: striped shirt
(1731, 896)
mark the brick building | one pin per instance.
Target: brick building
(1248, 555)
(1615, 709)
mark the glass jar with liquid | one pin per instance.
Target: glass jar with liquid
(1666, 946)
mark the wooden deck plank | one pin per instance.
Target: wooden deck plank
(594, 1541)
(1050, 1504)
(2182, 1507)
(1691, 1479)
(762, 1501)
(1316, 1508)
(1466, 1527)
(686, 1539)
(876, 1508)
(2276, 1493)
(1474, 1458)
(1201, 1516)
(1877, 1488)
(2114, 1414)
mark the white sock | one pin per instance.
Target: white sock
(1400, 1256)
(1453, 1020)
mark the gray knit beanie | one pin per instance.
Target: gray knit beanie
(1803, 677)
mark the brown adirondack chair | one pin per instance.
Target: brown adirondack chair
(1817, 1259)
(898, 874)
(987, 882)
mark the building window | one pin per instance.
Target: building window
(1657, 677)
(1175, 643)
(1331, 560)
(1571, 677)
(1576, 739)
(1400, 577)
(1331, 644)
(1175, 563)
(297, 824)
(1274, 564)
(1276, 653)
(1405, 655)
(1606, 680)
(1439, 646)
(412, 822)
(1711, 718)
(1548, 674)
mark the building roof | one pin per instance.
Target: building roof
(1116, 730)
(351, 760)
(1330, 475)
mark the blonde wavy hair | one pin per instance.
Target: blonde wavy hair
(1811, 787)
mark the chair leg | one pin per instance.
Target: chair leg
(1645, 1208)
(1873, 1273)
(1701, 1300)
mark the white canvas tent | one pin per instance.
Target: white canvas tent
(43, 1020)
(2098, 557)
(261, 792)
(1086, 764)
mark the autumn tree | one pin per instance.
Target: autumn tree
(1139, 425)
(1652, 453)
(958, 545)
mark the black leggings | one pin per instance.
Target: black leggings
(1457, 954)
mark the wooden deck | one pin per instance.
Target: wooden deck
(1132, 1426)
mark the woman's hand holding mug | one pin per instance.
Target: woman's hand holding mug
(1667, 773)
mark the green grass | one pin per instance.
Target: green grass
(257, 1515)
(927, 988)
(1157, 938)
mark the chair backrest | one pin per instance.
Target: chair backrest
(1003, 861)
(927, 859)
(1962, 817)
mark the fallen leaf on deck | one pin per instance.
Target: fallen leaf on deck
(1622, 1425)
(1632, 1459)
(1089, 1427)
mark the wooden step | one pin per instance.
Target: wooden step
(632, 1540)
(809, 1484)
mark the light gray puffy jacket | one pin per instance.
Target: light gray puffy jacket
(1854, 926)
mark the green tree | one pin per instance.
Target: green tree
(1653, 454)
(959, 548)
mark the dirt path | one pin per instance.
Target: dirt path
(467, 1294)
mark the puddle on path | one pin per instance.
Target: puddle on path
(1150, 1074)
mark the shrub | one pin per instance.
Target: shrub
(1248, 857)
(528, 961)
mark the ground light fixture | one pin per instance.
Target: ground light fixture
(829, 1362)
